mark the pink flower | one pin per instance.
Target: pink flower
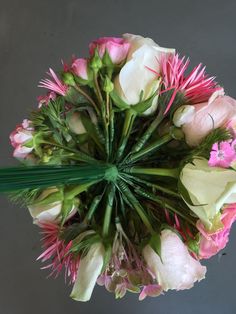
(117, 48)
(199, 120)
(20, 139)
(222, 155)
(79, 67)
(54, 85)
(57, 252)
(212, 243)
(150, 291)
(45, 99)
(197, 86)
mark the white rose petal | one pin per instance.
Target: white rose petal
(89, 269)
(183, 114)
(208, 187)
(135, 77)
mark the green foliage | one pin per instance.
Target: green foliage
(203, 150)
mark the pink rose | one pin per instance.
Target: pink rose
(117, 48)
(79, 67)
(199, 120)
(21, 136)
(212, 243)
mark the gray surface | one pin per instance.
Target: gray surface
(36, 34)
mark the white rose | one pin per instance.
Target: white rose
(177, 269)
(90, 268)
(48, 208)
(135, 76)
(209, 188)
(75, 123)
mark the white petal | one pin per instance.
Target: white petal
(183, 114)
(209, 187)
(89, 269)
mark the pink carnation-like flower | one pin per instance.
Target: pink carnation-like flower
(212, 243)
(79, 67)
(222, 155)
(20, 137)
(117, 48)
(57, 252)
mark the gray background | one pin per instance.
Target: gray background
(37, 34)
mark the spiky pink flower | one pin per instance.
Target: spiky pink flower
(222, 155)
(54, 85)
(197, 86)
(57, 252)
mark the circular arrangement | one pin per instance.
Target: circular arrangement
(128, 168)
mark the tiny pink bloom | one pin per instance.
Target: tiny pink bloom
(152, 290)
(79, 67)
(45, 99)
(222, 155)
(212, 243)
(55, 84)
(117, 48)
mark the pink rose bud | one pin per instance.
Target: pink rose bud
(212, 243)
(117, 48)
(79, 68)
(19, 138)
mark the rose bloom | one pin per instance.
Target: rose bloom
(199, 120)
(212, 243)
(117, 48)
(20, 139)
(176, 269)
(79, 67)
(90, 267)
(209, 189)
(47, 207)
(136, 76)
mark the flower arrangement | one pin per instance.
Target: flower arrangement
(128, 169)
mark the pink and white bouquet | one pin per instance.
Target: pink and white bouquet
(128, 168)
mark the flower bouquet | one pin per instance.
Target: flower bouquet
(128, 169)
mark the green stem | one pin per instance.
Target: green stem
(152, 185)
(149, 149)
(108, 211)
(93, 207)
(165, 203)
(78, 154)
(91, 101)
(163, 172)
(70, 194)
(145, 137)
(135, 203)
(97, 88)
(130, 116)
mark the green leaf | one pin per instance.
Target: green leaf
(118, 101)
(155, 243)
(144, 105)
